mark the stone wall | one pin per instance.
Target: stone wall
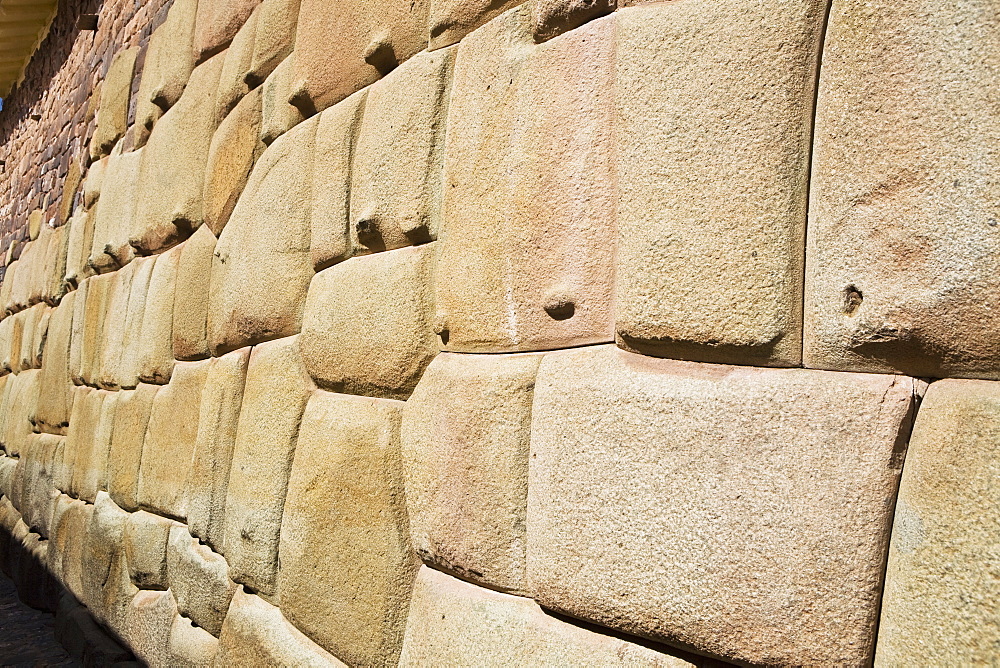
(458, 332)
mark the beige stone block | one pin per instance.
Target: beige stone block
(108, 365)
(89, 448)
(238, 58)
(83, 423)
(6, 334)
(527, 261)
(274, 38)
(191, 292)
(117, 594)
(346, 562)
(7, 465)
(147, 624)
(454, 623)
(58, 535)
(235, 148)
(190, 645)
(199, 579)
(33, 336)
(35, 219)
(19, 412)
(451, 20)
(79, 332)
(373, 38)
(213, 450)
(168, 448)
(217, 24)
(112, 115)
(902, 267)
(55, 287)
(55, 399)
(154, 348)
(144, 540)
(711, 238)
(69, 543)
(396, 170)
(94, 182)
(129, 434)
(465, 453)
(256, 634)
(261, 271)
(274, 398)
(661, 492)
(71, 185)
(36, 493)
(105, 532)
(554, 17)
(174, 162)
(279, 115)
(130, 365)
(367, 327)
(115, 212)
(943, 577)
(332, 240)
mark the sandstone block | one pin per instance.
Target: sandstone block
(118, 592)
(127, 438)
(373, 38)
(528, 256)
(36, 498)
(190, 645)
(663, 492)
(19, 413)
(553, 17)
(257, 635)
(57, 533)
(336, 134)
(261, 271)
(346, 563)
(465, 452)
(147, 623)
(71, 185)
(902, 267)
(453, 623)
(274, 398)
(711, 240)
(154, 348)
(191, 292)
(78, 335)
(235, 148)
(168, 449)
(115, 212)
(238, 58)
(279, 115)
(55, 399)
(451, 20)
(367, 326)
(213, 450)
(131, 362)
(274, 38)
(112, 116)
(35, 219)
(103, 541)
(942, 582)
(99, 289)
(217, 24)
(145, 543)
(108, 365)
(71, 536)
(90, 455)
(83, 424)
(396, 168)
(199, 579)
(55, 286)
(173, 165)
(94, 182)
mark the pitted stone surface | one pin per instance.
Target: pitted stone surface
(115, 212)
(167, 65)
(199, 580)
(112, 116)
(145, 543)
(235, 148)
(274, 37)
(279, 115)
(451, 20)
(191, 296)
(217, 23)
(127, 438)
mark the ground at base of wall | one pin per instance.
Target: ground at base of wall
(28, 637)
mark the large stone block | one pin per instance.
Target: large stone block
(34, 492)
(144, 540)
(367, 326)
(58, 533)
(168, 449)
(451, 20)
(738, 511)
(279, 115)
(396, 167)
(131, 421)
(83, 423)
(132, 354)
(238, 57)
(902, 259)
(108, 365)
(274, 38)
(148, 620)
(94, 182)
(346, 563)
(77, 337)
(217, 24)
(943, 578)
(528, 255)
(332, 240)
(553, 17)
(105, 533)
(90, 456)
(154, 348)
(191, 292)
(235, 148)
(55, 399)
(69, 540)
(173, 165)
(199, 579)
(372, 39)
(190, 645)
(20, 402)
(261, 271)
(274, 398)
(115, 212)
(454, 623)
(256, 634)
(112, 116)
(713, 179)
(465, 450)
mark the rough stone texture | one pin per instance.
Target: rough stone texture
(396, 168)
(55, 398)
(102, 543)
(199, 579)
(221, 401)
(94, 321)
(83, 423)
(89, 449)
(256, 634)
(115, 212)
(127, 438)
(261, 271)
(190, 645)
(274, 38)
(943, 578)
(168, 449)
(108, 366)
(279, 115)
(346, 563)
(174, 162)
(147, 624)
(553, 17)
(902, 255)
(191, 293)
(112, 116)
(710, 262)
(465, 452)
(81, 238)
(454, 623)
(154, 348)
(661, 492)
(145, 543)
(132, 360)
(373, 38)
(367, 325)
(274, 398)
(451, 20)
(232, 82)
(528, 256)
(217, 24)
(235, 148)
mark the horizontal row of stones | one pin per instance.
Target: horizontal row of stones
(563, 181)
(738, 511)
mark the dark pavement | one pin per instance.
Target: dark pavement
(26, 635)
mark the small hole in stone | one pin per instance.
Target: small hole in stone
(444, 334)
(852, 299)
(560, 309)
